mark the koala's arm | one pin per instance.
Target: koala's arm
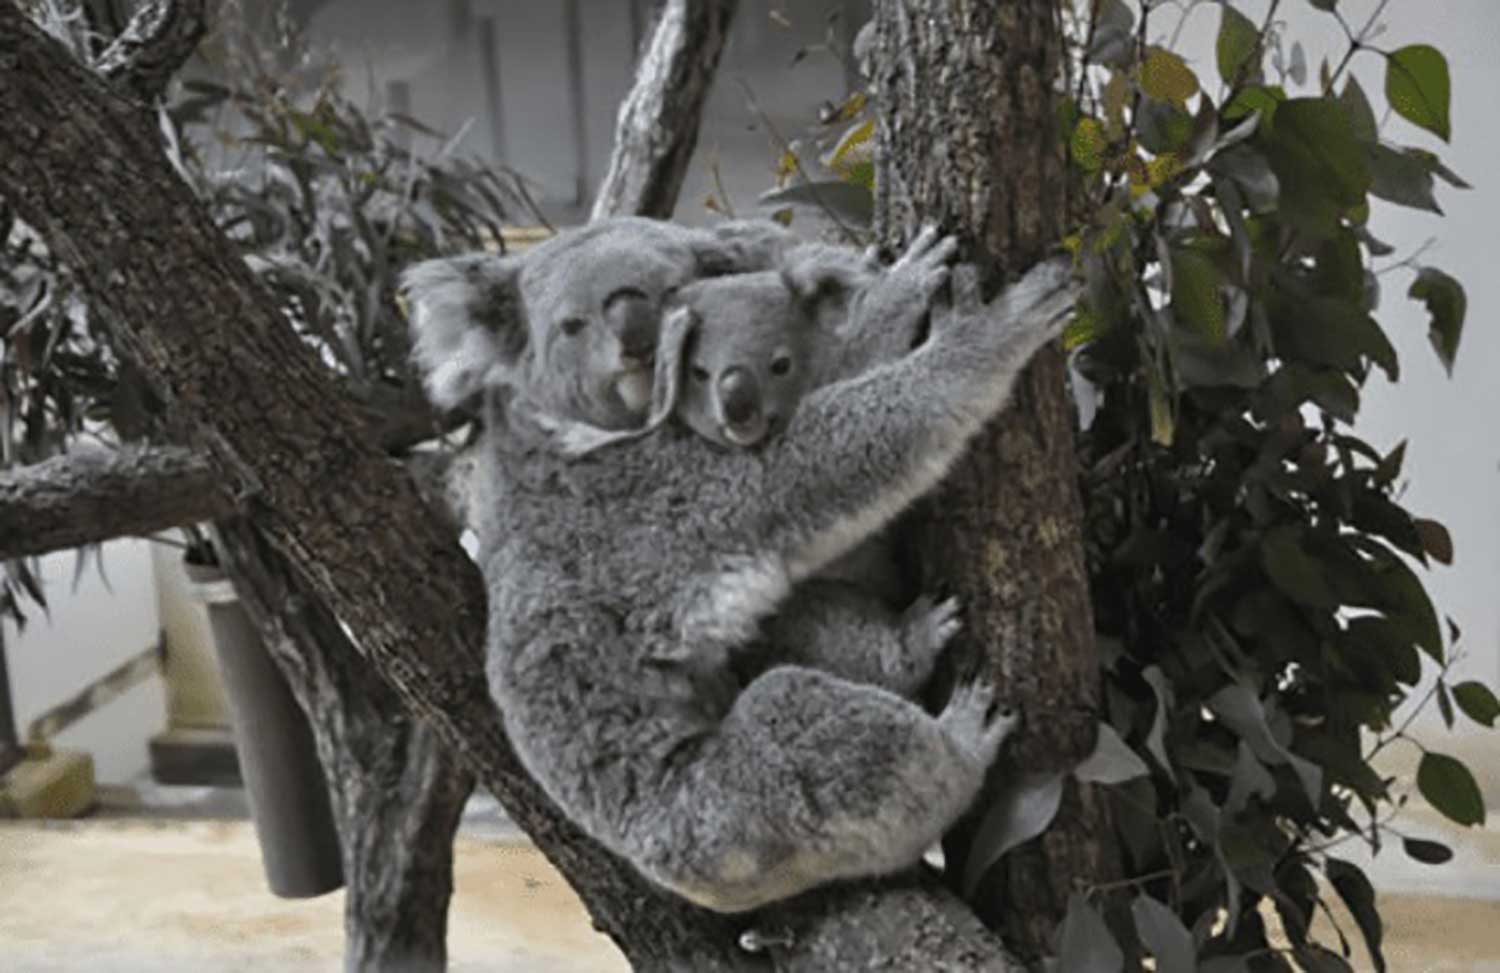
(839, 628)
(887, 307)
(857, 452)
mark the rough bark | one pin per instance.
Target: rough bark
(968, 140)
(88, 496)
(658, 123)
(91, 496)
(397, 790)
(85, 169)
(159, 39)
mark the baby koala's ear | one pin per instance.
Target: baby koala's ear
(468, 325)
(820, 274)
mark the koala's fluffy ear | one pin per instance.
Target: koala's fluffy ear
(739, 247)
(819, 273)
(468, 325)
(579, 439)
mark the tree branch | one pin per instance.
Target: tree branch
(93, 495)
(658, 122)
(157, 42)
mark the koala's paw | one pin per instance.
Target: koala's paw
(927, 626)
(924, 265)
(974, 724)
(1036, 307)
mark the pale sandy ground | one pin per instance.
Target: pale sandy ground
(135, 895)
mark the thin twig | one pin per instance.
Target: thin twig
(1356, 42)
(785, 148)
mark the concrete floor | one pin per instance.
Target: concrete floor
(169, 878)
(135, 895)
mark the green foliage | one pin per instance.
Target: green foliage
(1416, 85)
(1254, 571)
(1251, 562)
(326, 201)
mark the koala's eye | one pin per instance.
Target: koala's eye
(572, 326)
(699, 373)
(781, 365)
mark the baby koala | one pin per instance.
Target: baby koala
(764, 341)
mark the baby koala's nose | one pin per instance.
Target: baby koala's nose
(739, 396)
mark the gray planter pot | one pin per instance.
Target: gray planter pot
(299, 843)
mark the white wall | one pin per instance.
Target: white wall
(91, 631)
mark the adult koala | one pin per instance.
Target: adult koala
(614, 572)
(574, 320)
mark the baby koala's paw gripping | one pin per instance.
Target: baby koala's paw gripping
(924, 266)
(976, 727)
(927, 626)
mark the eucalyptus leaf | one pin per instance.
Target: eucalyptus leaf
(1019, 812)
(1448, 304)
(1399, 178)
(846, 200)
(1450, 788)
(1237, 42)
(1477, 702)
(1161, 687)
(1362, 124)
(1319, 164)
(1114, 34)
(1112, 762)
(1417, 86)
(1086, 944)
(1427, 852)
(1165, 76)
(1164, 936)
(1355, 889)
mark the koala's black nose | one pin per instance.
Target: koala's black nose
(634, 321)
(739, 396)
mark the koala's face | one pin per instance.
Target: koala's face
(747, 364)
(594, 312)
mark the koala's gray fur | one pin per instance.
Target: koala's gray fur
(613, 572)
(762, 342)
(483, 316)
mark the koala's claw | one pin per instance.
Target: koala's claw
(975, 724)
(927, 249)
(930, 624)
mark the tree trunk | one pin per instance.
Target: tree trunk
(658, 123)
(85, 168)
(398, 792)
(968, 140)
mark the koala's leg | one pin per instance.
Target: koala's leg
(858, 451)
(841, 629)
(811, 779)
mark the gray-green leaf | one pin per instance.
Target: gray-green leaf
(1112, 762)
(1449, 787)
(1237, 42)
(1087, 946)
(1447, 302)
(1021, 811)
(1477, 702)
(1417, 86)
(1164, 935)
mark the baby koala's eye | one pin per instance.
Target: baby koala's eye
(781, 365)
(699, 373)
(572, 326)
